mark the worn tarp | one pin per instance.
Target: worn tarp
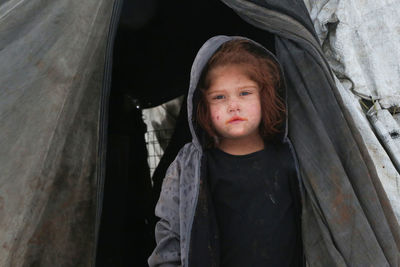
(360, 40)
(51, 76)
(347, 217)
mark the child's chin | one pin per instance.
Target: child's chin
(236, 135)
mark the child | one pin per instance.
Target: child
(231, 196)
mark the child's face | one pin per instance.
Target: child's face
(234, 103)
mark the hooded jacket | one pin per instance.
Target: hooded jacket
(186, 233)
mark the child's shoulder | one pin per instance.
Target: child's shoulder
(187, 152)
(187, 148)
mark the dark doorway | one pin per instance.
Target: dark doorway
(155, 45)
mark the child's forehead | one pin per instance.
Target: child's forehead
(237, 67)
(226, 70)
(227, 74)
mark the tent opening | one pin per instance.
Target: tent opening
(155, 45)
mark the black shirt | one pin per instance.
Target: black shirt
(253, 197)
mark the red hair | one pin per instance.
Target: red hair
(260, 68)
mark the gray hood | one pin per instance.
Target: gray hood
(202, 57)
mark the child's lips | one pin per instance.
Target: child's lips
(235, 119)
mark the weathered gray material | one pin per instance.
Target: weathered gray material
(347, 218)
(51, 69)
(360, 41)
(388, 131)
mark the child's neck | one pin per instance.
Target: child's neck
(241, 146)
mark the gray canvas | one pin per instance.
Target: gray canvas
(51, 72)
(364, 54)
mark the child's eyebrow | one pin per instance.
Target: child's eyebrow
(248, 86)
(209, 92)
(238, 88)
(216, 91)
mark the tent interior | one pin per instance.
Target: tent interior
(155, 45)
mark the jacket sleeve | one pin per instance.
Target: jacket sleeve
(167, 252)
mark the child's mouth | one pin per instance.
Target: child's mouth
(235, 119)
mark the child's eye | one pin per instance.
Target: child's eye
(217, 97)
(244, 93)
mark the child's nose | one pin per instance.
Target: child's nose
(233, 106)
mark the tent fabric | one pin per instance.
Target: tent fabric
(51, 76)
(360, 41)
(347, 218)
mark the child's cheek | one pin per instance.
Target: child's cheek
(215, 114)
(215, 117)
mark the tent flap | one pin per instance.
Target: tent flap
(51, 73)
(360, 41)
